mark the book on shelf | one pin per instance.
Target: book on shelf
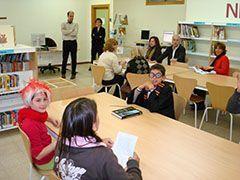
(8, 119)
(219, 32)
(189, 31)
(189, 45)
(7, 82)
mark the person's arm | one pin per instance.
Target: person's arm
(93, 35)
(117, 68)
(64, 30)
(181, 56)
(54, 122)
(103, 34)
(224, 67)
(115, 171)
(75, 30)
(48, 149)
(133, 95)
(163, 55)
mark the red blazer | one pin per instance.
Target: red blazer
(221, 66)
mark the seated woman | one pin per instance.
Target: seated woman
(113, 67)
(154, 49)
(82, 154)
(221, 62)
(156, 95)
(234, 102)
(32, 118)
(137, 65)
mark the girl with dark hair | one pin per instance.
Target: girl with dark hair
(154, 49)
(81, 153)
(221, 62)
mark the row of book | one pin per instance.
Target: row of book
(14, 66)
(8, 81)
(15, 57)
(189, 45)
(189, 31)
(8, 119)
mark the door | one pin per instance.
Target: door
(101, 11)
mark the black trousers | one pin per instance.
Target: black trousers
(96, 50)
(69, 47)
(117, 79)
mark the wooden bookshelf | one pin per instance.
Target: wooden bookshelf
(10, 99)
(229, 34)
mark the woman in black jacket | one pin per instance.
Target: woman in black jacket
(82, 154)
(154, 49)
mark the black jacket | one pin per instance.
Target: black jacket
(179, 54)
(98, 37)
(155, 55)
(234, 103)
(160, 100)
(95, 163)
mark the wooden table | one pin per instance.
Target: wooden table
(167, 148)
(202, 79)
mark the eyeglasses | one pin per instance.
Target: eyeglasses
(157, 75)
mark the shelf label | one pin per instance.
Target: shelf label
(233, 24)
(7, 51)
(199, 23)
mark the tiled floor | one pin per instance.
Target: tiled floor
(13, 159)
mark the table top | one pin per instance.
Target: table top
(168, 149)
(203, 79)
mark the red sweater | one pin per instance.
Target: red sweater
(221, 65)
(33, 124)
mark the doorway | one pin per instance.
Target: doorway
(102, 11)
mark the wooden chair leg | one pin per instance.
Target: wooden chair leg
(217, 115)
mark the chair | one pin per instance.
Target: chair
(179, 105)
(68, 92)
(27, 146)
(185, 87)
(179, 64)
(219, 96)
(98, 73)
(136, 80)
(50, 43)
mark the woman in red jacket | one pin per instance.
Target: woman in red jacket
(32, 118)
(221, 63)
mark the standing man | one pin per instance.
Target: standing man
(69, 35)
(174, 53)
(98, 40)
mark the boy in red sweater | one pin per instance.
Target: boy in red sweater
(32, 118)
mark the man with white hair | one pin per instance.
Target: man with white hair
(174, 53)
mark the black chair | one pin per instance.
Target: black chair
(49, 43)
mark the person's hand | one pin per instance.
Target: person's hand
(55, 123)
(135, 157)
(198, 66)
(238, 82)
(148, 86)
(123, 62)
(206, 68)
(108, 142)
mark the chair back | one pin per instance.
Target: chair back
(179, 105)
(68, 92)
(26, 143)
(219, 95)
(98, 73)
(136, 80)
(179, 64)
(185, 86)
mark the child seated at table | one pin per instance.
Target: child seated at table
(82, 154)
(155, 95)
(32, 118)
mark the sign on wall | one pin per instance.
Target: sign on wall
(6, 36)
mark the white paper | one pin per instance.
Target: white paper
(124, 147)
(200, 71)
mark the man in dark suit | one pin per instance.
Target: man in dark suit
(174, 53)
(98, 39)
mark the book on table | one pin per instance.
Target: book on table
(126, 112)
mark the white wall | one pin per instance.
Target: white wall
(45, 17)
(210, 10)
(157, 18)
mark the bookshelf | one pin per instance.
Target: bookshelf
(17, 66)
(199, 37)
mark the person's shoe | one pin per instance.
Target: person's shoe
(73, 76)
(63, 76)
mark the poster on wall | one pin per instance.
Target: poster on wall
(164, 2)
(6, 36)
